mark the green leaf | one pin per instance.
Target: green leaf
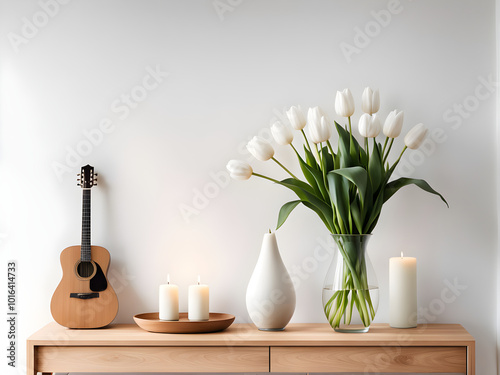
(325, 217)
(319, 182)
(350, 147)
(358, 176)
(285, 211)
(306, 171)
(363, 158)
(313, 174)
(354, 149)
(393, 186)
(339, 195)
(376, 166)
(306, 194)
(374, 214)
(298, 187)
(344, 154)
(356, 215)
(336, 161)
(310, 159)
(326, 160)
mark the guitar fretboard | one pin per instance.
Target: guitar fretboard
(85, 247)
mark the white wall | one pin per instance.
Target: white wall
(229, 75)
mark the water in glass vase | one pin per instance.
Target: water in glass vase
(350, 290)
(342, 310)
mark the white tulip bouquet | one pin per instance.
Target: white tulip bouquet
(346, 188)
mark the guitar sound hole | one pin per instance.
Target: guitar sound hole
(85, 269)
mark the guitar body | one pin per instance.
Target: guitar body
(84, 298)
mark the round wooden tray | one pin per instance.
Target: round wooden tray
(216, 322)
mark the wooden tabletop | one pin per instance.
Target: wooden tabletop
(298, 334)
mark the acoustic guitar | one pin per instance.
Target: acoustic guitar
(84, 298)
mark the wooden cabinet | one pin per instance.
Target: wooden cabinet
(302, 348)
(152, 359)
(366, 359)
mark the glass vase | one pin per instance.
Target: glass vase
(350, 291)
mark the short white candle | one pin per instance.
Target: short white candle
(403, 292)
(169, 301)
(198, 302)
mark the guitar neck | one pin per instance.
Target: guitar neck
(85, 247)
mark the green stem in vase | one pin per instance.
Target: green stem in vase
(355, 289)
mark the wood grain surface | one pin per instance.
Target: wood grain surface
(82, 313)
(152, 359)
(369, 359)
(299, 334)
(243, 348)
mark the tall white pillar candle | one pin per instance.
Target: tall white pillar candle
(198, 302)
(169, 301)
(403, 292)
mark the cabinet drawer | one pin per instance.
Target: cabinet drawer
(369, 359)
(151, 359)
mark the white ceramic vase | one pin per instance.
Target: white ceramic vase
(270, 293)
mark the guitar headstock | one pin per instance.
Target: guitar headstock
(87, 178)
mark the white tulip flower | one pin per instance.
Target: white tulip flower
(344, 103)
(321, 133)
(282, 134)
(369, 126)
(393, 124)
(370, 101)
(296, 117)
(416, 136)
(319, 127)
(260, 149)
(239, 170)
(314, 115)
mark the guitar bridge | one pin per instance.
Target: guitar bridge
(84, 295)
